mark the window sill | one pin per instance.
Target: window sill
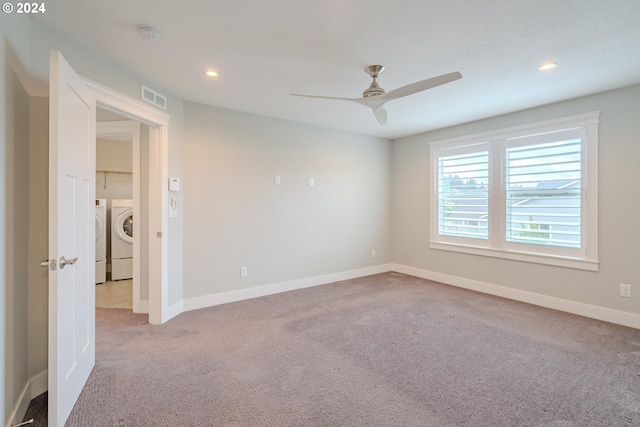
(580, 264)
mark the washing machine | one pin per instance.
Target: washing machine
(121, 239)
(101, 240)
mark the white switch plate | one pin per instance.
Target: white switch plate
(373, 253)
(174, 184)
(276, 180)
(312, 182)
(243, 272)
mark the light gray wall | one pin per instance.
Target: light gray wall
(238, 217)
(38, 234)
(14, 212)
(114, 156)
(619, 151)
(17, 232)
(176, 225)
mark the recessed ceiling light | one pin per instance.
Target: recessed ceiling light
(548, 66)
(211, 73)
(148, 32)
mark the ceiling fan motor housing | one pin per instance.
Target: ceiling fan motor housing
(374, 89)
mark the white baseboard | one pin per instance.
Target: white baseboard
(172, 311)
(34, 388)
(581, 309)
(260, 291)
(143, 307)
(39, 384)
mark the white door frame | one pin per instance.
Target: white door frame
(158, 122)
(129, 130)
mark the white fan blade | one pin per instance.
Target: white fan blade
(369, 101)
(327, 97)
(421, 85)
(373, 102)
(381, 115)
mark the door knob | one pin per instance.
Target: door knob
(64, 261)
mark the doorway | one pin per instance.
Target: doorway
(72, 143)
(122, 198)
(155, 123)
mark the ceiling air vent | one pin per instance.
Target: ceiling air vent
(153, 97)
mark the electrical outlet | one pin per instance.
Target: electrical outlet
(243, 272)
(373, 253)
(625, 290)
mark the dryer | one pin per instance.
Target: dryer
(121, 239)
(101, 240)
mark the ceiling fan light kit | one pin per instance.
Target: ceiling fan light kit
(375, 97)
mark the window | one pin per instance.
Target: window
(526, 193)
(462, 193)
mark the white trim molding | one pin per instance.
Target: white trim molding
(275, 288)
(174, 309)
(119, 103)
(592, 311)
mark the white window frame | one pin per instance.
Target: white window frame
(586, 257)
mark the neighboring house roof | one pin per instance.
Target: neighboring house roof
(472, 205)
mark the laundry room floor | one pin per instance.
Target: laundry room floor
(118, 294)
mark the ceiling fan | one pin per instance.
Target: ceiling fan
(375, 97)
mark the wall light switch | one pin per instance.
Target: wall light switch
(312, 182)
(276, 180)
(173, 208)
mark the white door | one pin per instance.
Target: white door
(72, 136)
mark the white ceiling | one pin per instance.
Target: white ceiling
(264, 50)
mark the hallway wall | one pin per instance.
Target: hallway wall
(14, 214)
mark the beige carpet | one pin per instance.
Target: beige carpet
(385, 350)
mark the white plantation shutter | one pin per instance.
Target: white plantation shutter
(543, 189)
(463, 197)
(528, 193)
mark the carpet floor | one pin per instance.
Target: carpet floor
(383, 350)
